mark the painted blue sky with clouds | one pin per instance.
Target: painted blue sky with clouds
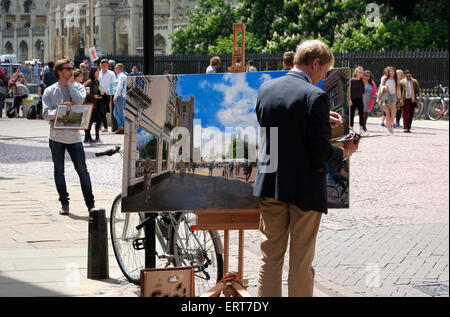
(224, 100)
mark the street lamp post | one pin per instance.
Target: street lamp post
(42, 50)
(81, 45)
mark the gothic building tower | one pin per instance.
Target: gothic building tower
(23, 28)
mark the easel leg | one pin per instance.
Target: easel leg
(241, 254)
(226, 246)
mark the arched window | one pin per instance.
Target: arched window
(5, 5)
(160, 44)
(27, 6)
(23, 51)
(9, 48)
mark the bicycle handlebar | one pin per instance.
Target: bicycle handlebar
(109, 152)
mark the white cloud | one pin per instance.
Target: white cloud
(237, 107)
(204, 84)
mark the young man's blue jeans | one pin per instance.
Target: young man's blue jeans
(119, 112)
(76, 152)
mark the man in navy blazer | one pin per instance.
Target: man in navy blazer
(291, 186)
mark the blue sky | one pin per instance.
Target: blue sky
(224, 100)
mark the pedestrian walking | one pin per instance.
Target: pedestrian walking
(19, 75)
(135, 71)
(3, 95)
(293, 197)
(211, 168)
(214, 64)
(66, 91)
(119, 98)
(390, 85)
(84, 69)
(41, 89)
(20, 92)
(49, 75)
(92, 97)
(79, 77)
(356, 97)
(248, 169)
(288, 60)
(398, 114)
(410, 94)
(251, 66)
(238, 169)
(383, 117)
(370, 91)
(106, 80)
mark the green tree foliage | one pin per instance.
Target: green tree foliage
(277, 26)
(224, 45)
(209, 20)
(343, 26)
(241, 143)
(259, 16)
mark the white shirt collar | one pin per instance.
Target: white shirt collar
(297, 70)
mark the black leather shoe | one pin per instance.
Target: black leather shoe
(64, 211)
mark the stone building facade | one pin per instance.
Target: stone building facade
(118, 26)
(64, 26)
(24, 28)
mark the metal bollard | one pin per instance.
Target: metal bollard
(426, 103)
(98, 266)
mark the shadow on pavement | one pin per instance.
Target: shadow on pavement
(14, 288)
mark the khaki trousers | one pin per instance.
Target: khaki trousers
(279, 221)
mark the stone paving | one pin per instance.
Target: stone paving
(393, 237)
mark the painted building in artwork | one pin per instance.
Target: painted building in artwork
(23, 29)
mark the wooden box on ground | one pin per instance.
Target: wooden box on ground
(168, 282)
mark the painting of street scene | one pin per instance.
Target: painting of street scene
(76, 117)
(337, 85)
(193, 141)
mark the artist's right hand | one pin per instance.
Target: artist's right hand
(351, 146)
(69, 104)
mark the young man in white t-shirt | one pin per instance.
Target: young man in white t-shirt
(119, 98)
(106, 79)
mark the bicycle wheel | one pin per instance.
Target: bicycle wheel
(435, 110)
(418, 110)
(200, 249)
(376, 111)
(123, 233)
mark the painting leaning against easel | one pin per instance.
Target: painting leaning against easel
(337, 85)
(216, 113)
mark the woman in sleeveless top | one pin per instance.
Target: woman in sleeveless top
(390, 84)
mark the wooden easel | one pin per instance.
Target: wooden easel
(238, 52)
(231, 219)
(226, 220)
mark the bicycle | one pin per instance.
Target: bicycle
(377, 110)
(178, 243)
(418, 110)
(439, 107)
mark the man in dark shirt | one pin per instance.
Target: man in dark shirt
(49, 76)
(292, 186)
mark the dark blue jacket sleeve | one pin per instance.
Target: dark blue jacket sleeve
(319, 133)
